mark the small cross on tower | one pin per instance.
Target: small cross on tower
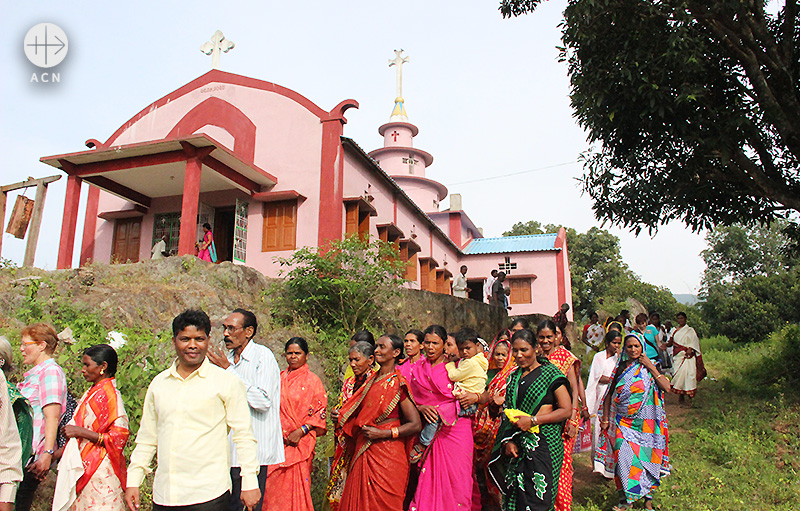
(218, 44)
(411, 161)
(395, 134)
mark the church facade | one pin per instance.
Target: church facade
(272, 172)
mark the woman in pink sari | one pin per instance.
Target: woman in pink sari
(445, 477)
(205, 247)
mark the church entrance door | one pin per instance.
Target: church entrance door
(127, 238)
(223, 233)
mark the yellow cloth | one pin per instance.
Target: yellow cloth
(470, 373)
(186, 422)
(514, 415)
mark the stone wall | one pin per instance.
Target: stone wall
(418, 309)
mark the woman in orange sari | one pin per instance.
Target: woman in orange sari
(550, 337)
(303, 413)
(379, 424)
(91, 473)
(488, 418)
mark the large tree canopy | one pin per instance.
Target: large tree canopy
(693, 107)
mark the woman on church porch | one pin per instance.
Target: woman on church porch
(206, 250)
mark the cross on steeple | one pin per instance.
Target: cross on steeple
(395, 134)
(398, 61)
(217, 44)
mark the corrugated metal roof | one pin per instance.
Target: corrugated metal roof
(532, 243)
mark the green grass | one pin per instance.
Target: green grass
(738, 447)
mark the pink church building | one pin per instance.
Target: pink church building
(272, 172)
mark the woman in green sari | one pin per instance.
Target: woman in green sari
(525, 463)
(23, 413)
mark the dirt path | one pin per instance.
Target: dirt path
(589, 486)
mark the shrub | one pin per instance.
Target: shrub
(340, 285)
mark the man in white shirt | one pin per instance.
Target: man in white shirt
(487, 287)
(188, 411)
(255, 365)
(460, 284)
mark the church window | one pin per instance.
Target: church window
(520, 290)
(280, 226)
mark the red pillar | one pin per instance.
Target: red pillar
(69, 223)
(331, 192)
(90, 225)
(191, 196)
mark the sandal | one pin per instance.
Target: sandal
(621, 507)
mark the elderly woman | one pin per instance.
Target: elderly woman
(362, 362)
(525, 462)
(303, 413)
(91, 473)
(11, 457)
(603, 365)
(379, 422)
(637, 431)
(687, 366)
(45, 388)
(487, 420)
(445, 476)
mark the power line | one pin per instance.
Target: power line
(513, 174)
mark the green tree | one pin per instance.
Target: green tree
(343, 284)
(525, 229)
(751, 286)
(740, 251)
(693, 107)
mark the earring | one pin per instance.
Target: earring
(101, 371)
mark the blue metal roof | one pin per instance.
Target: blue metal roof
(532, 243)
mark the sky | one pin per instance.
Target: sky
(488, 95)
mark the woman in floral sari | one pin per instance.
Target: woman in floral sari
(487, 419)
(379, 423)
(91, 473)
(445, 470)
(638, 430)
(361, 359)
(550, 337)
(526, 459)
(303, 413)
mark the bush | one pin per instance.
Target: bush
(341, 285)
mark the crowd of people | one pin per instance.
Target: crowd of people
(430, 421)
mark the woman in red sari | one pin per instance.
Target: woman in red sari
(550, 337)
(362, 361)
(379, 424)
(303, 413)
(91, 473)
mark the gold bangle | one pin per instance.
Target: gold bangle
(395, 432)
(99, 439)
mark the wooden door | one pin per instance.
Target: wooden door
(223, 233)
(127, 240)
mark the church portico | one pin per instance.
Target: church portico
(140, 173)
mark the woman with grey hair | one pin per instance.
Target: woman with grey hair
(10, 445)
(362, 361)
